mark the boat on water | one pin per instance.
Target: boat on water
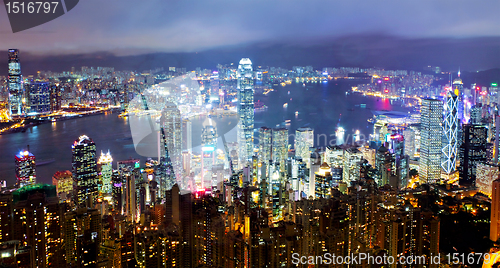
(260, 106)
(285, 105)
(296, 113)
(362, 105)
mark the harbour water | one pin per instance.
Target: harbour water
(321, 106)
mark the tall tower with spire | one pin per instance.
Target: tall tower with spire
(458, 89)
(245, 110)
(450, 131)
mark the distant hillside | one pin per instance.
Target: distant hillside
(361, 51)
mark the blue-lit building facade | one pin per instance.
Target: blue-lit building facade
(39, 97)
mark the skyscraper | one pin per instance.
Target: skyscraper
(265, 144)
(25, 168)
(450, 128)
(458, 88)
(245, 110)
(105, 167)
(431, 140)
(171, 125)
(14, 81)
(84, 162)
(208, 146)
(304, 139)
(400, 161)
(472, 152)
(38, 97)
(280, 147)
(55, 98)
(350, 172)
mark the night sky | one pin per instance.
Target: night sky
(353, 32)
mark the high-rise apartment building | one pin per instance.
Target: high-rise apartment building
(485, 175)
(37, 223)
(431, 140)
(82, 236)
(245, 110)
(84, 162)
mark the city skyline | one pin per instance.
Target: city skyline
(284, 171)
(249, 134)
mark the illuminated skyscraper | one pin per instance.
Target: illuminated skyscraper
(84, 162)
(105, 167)
(400, 161)
(38, 97)
(431, 140)
(265, 144)
(475, 114)
(304, 139)
(208, 146)
(352, 157)
(458, 89)
(215, 88)
(323, 181)
(25, 168)
(472, 152)
(55, 98)
(171, 125)
(450, 128)
(245, 110)
(14, 80)
(280, 147)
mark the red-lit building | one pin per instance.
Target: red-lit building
(25, 168)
